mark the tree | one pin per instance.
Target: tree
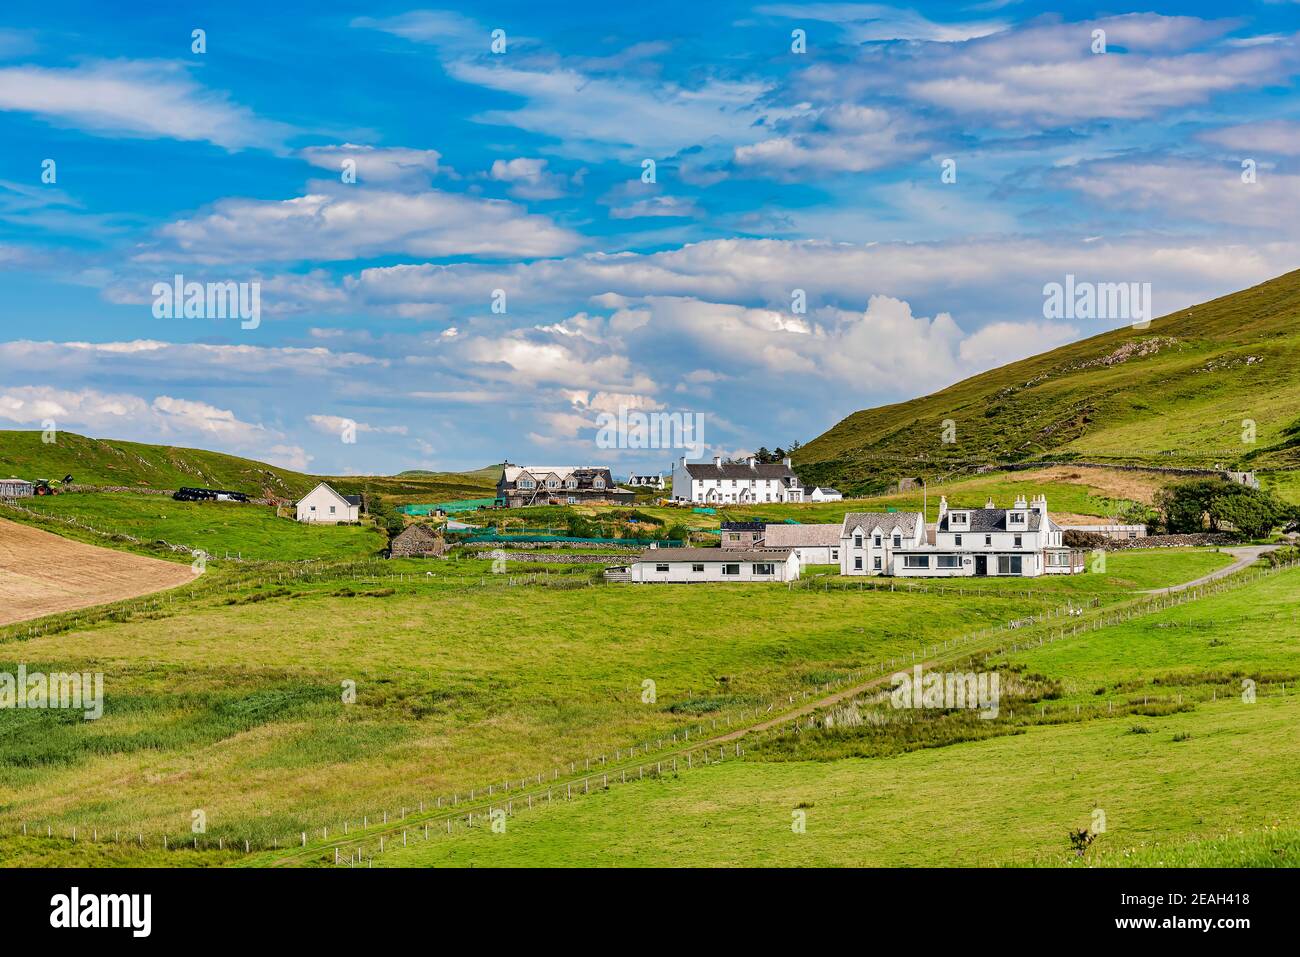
(763, 455)
(1189, 507)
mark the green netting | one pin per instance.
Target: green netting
(450, 508)
(507, 537)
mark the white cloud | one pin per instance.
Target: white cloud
(336, 425)
(528, 178)
(840, 139)
(866, 22)
(1269, 137)
(151, 99)
(351, 222)
(378, 164)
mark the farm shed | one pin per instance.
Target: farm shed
(715, 565)
(16, 488)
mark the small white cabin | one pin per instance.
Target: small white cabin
(714, 565)
(326, 506)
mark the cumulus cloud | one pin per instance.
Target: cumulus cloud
(164, 419)
(378, 164)
(337, 425)
(350, 222)
(139, 98)
(528, 178)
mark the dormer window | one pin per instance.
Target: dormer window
(1017, 518)
(552, 483)
(525, 483)
(598, 482)
(572, 483)
(898, 540)
(958, 518)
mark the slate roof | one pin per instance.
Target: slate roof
(792, 536)
(353, 499)
(743, 526)
(739, 470)
(991, 519)
(713, 555)
(882, 520)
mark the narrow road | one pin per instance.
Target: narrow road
(1245, 555)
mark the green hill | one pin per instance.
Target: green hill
(139, 465)
(1174, 394)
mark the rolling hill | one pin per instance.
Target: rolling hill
(1174, 394)
(139, 465)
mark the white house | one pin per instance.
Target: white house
(869, 540)
(1017, 541)
(323, 504)
(714, 565)
(824, 494)
(744, 483)
(814, 544)
(646, 481)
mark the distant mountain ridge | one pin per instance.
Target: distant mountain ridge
(1191, 390)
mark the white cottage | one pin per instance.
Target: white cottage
(814, 544)
(324, 505)
(1017, 541)
(825, 494)
(869, 540)
(686, 565)
(742, 483)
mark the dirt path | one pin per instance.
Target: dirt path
(1244, 556)
(42, 573)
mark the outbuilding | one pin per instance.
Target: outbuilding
(16, 488)
(715, 565)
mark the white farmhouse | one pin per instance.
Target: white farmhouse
(814, 544)
(869, 540)
(714, 565)
(646, 481)
(742, 483)
(825, 494)
(1017, 541)
(324, 505)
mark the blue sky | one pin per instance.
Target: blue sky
(522, 171)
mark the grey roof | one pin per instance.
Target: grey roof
(793, 536)
(353, 499)
(739, 470)
(991, 519)
(882, 520)
(743, 526)
(826, 488)
(713, 555)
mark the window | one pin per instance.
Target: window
(947, 561)
(877, 563)
(1018, 541)
(698, 567)
(877, 540)
(857, 541)
(598, 482)
(898, 540)
(525, 483)
(857, 564)
(312, 507)
(988, 541)
(661, 567)
(916, 561)
(731, 569)
(332, 509)
(959, 518)
(573, 483)
(957, 540)
(835, 554)
(552, 483)
(1008, 564)
(1017, 518)
(764, 568)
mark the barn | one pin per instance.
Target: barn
(16, 488)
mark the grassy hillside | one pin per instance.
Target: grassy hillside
(231, 702)
(136, 464)
(1146, 722)
(1175, 393)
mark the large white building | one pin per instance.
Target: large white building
(1018, 541)
(740, 483)
(686, 565)
(326, 506)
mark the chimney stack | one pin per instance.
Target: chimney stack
(943, 506)
(753, 462)
(786, 461)
(717, 461)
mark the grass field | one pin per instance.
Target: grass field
(1208, 784)
(231, 702)
(135, 464)
(218, 528)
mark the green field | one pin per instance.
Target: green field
(1176, 393)
(230, 700)
(135, 464)
(1210, 784)
(219, 528)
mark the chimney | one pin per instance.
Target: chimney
(943, 507)
(786, 461)
(1020, 502)
(989, 503)
(753, 462)
(717, 461)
